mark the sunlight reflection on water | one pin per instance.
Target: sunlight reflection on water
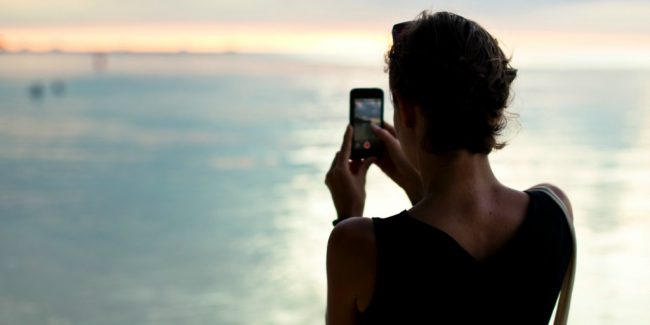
(190, 189)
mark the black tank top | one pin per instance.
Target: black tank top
(425, 277)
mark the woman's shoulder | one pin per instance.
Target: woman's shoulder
(559, 194)
(361, 230)
(351, 265)
(352, 236)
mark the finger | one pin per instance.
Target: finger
(336, 156)
(330, 172)
(344, 154)
(354, 166)
(390, 128)
(360, 167)
(385, 136)
(363, 169)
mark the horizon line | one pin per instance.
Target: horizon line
(529, 63)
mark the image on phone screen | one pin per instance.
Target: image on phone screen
(367, 112)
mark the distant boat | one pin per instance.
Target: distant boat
(36, 90)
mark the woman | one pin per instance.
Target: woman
(470, 249)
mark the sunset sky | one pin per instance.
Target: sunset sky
(599, 32)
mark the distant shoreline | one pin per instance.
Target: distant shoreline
(331, 59)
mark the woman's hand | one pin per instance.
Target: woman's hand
(346, 180)
(394, 164)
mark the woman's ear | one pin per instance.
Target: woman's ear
(405, 109)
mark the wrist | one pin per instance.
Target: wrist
(342, 216)
(349, 213)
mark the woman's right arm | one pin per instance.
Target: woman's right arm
(394, 164)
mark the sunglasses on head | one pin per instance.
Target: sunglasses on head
(398, 28)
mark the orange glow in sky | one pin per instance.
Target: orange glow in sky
(590, 31)
(195, 38)
(525, 45)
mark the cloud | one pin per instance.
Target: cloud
(583, 17)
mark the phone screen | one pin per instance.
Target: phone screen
(366, 111)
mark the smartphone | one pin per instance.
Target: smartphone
(366, 109)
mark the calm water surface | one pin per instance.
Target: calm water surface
(188, 189)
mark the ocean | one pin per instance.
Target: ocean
(189, 189)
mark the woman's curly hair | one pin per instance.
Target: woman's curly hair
(454, 70)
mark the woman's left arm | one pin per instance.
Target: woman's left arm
(351, 263)
(351, 253)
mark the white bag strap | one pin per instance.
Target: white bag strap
(564, 303)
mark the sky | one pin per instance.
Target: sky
(573, 32)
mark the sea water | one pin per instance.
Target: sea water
(188, 189)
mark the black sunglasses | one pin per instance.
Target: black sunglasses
(397, 30)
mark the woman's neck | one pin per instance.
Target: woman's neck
(459, 176)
